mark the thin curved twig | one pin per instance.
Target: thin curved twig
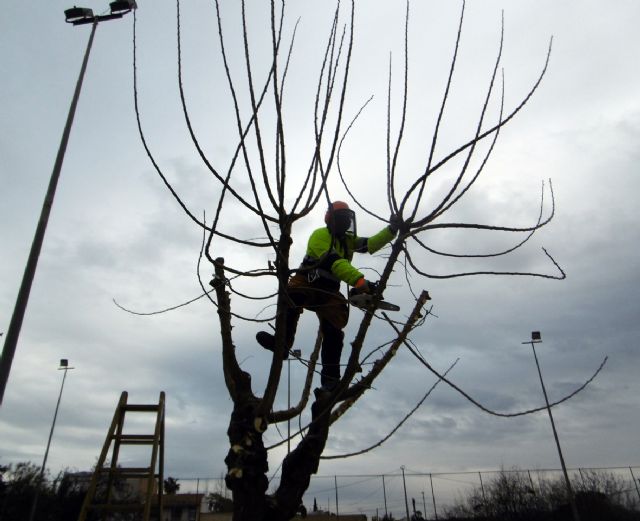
(160, 311)
(444, 204)
(535, 228)
(141, 133)
(562, 275)
(391, 168)
(445, 97)
(395, 429)
(205, 160)
(491, 130)
(279, 416)
(486, 409)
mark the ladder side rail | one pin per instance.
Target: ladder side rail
(113, 467)
(161, 462)
(91, 491)
(152, 466)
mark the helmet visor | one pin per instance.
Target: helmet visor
(342, 221)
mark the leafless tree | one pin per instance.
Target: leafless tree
(276, 198)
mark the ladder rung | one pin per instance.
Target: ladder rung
(118, 507)
(128, 472)
(141, 407)
(134, 439)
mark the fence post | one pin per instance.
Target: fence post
(634, 482)
(404, 483)
(433, 497)
(335, 480)
(533, 489)
(384, 492)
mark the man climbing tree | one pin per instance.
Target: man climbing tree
(258, 183)
(316, 284)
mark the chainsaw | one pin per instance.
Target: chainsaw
(366, 301)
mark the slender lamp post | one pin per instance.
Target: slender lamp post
(75, 16)
(64, 366)
(404, 484)
(297, 353)
(536, 338)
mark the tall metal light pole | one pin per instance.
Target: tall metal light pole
(75, 16)
(64, 366)
(536, 338)
(297, 353)
(404, 484)
(384, 492)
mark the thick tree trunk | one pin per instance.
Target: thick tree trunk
(247, 465)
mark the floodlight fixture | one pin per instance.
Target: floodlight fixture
(122, 6)
(78, 14)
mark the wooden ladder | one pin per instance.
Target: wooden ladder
(102, 499)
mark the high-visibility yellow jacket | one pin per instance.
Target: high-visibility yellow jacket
(331, 256)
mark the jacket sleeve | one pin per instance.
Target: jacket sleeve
(378, 240)
(344, 270)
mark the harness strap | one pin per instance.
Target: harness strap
(316, 273)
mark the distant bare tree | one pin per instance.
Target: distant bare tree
(171, 485)
(276, 198)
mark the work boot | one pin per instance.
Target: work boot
(349, 392)
(268, 341)
(325, 388)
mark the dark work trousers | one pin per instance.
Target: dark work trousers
(333, 313)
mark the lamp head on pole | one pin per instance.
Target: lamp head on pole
(536, 336)
(64, 365)
(84, 15)
(122, 6)
(78, 14)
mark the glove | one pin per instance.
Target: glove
(362, 286)
(394, 223)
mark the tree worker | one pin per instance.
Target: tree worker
(316, 285)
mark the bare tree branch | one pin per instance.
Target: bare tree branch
(395, 429)
(279, 416)
(490, 411)
(434, 140)
(562, 275)
(538, 225)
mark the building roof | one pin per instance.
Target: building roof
(174, 500)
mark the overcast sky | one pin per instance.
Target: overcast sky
(116, 233)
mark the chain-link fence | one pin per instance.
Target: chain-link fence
(438, 494)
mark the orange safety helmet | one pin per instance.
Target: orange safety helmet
(334, 206)
(340, 219)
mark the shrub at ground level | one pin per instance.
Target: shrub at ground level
(513, 496)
